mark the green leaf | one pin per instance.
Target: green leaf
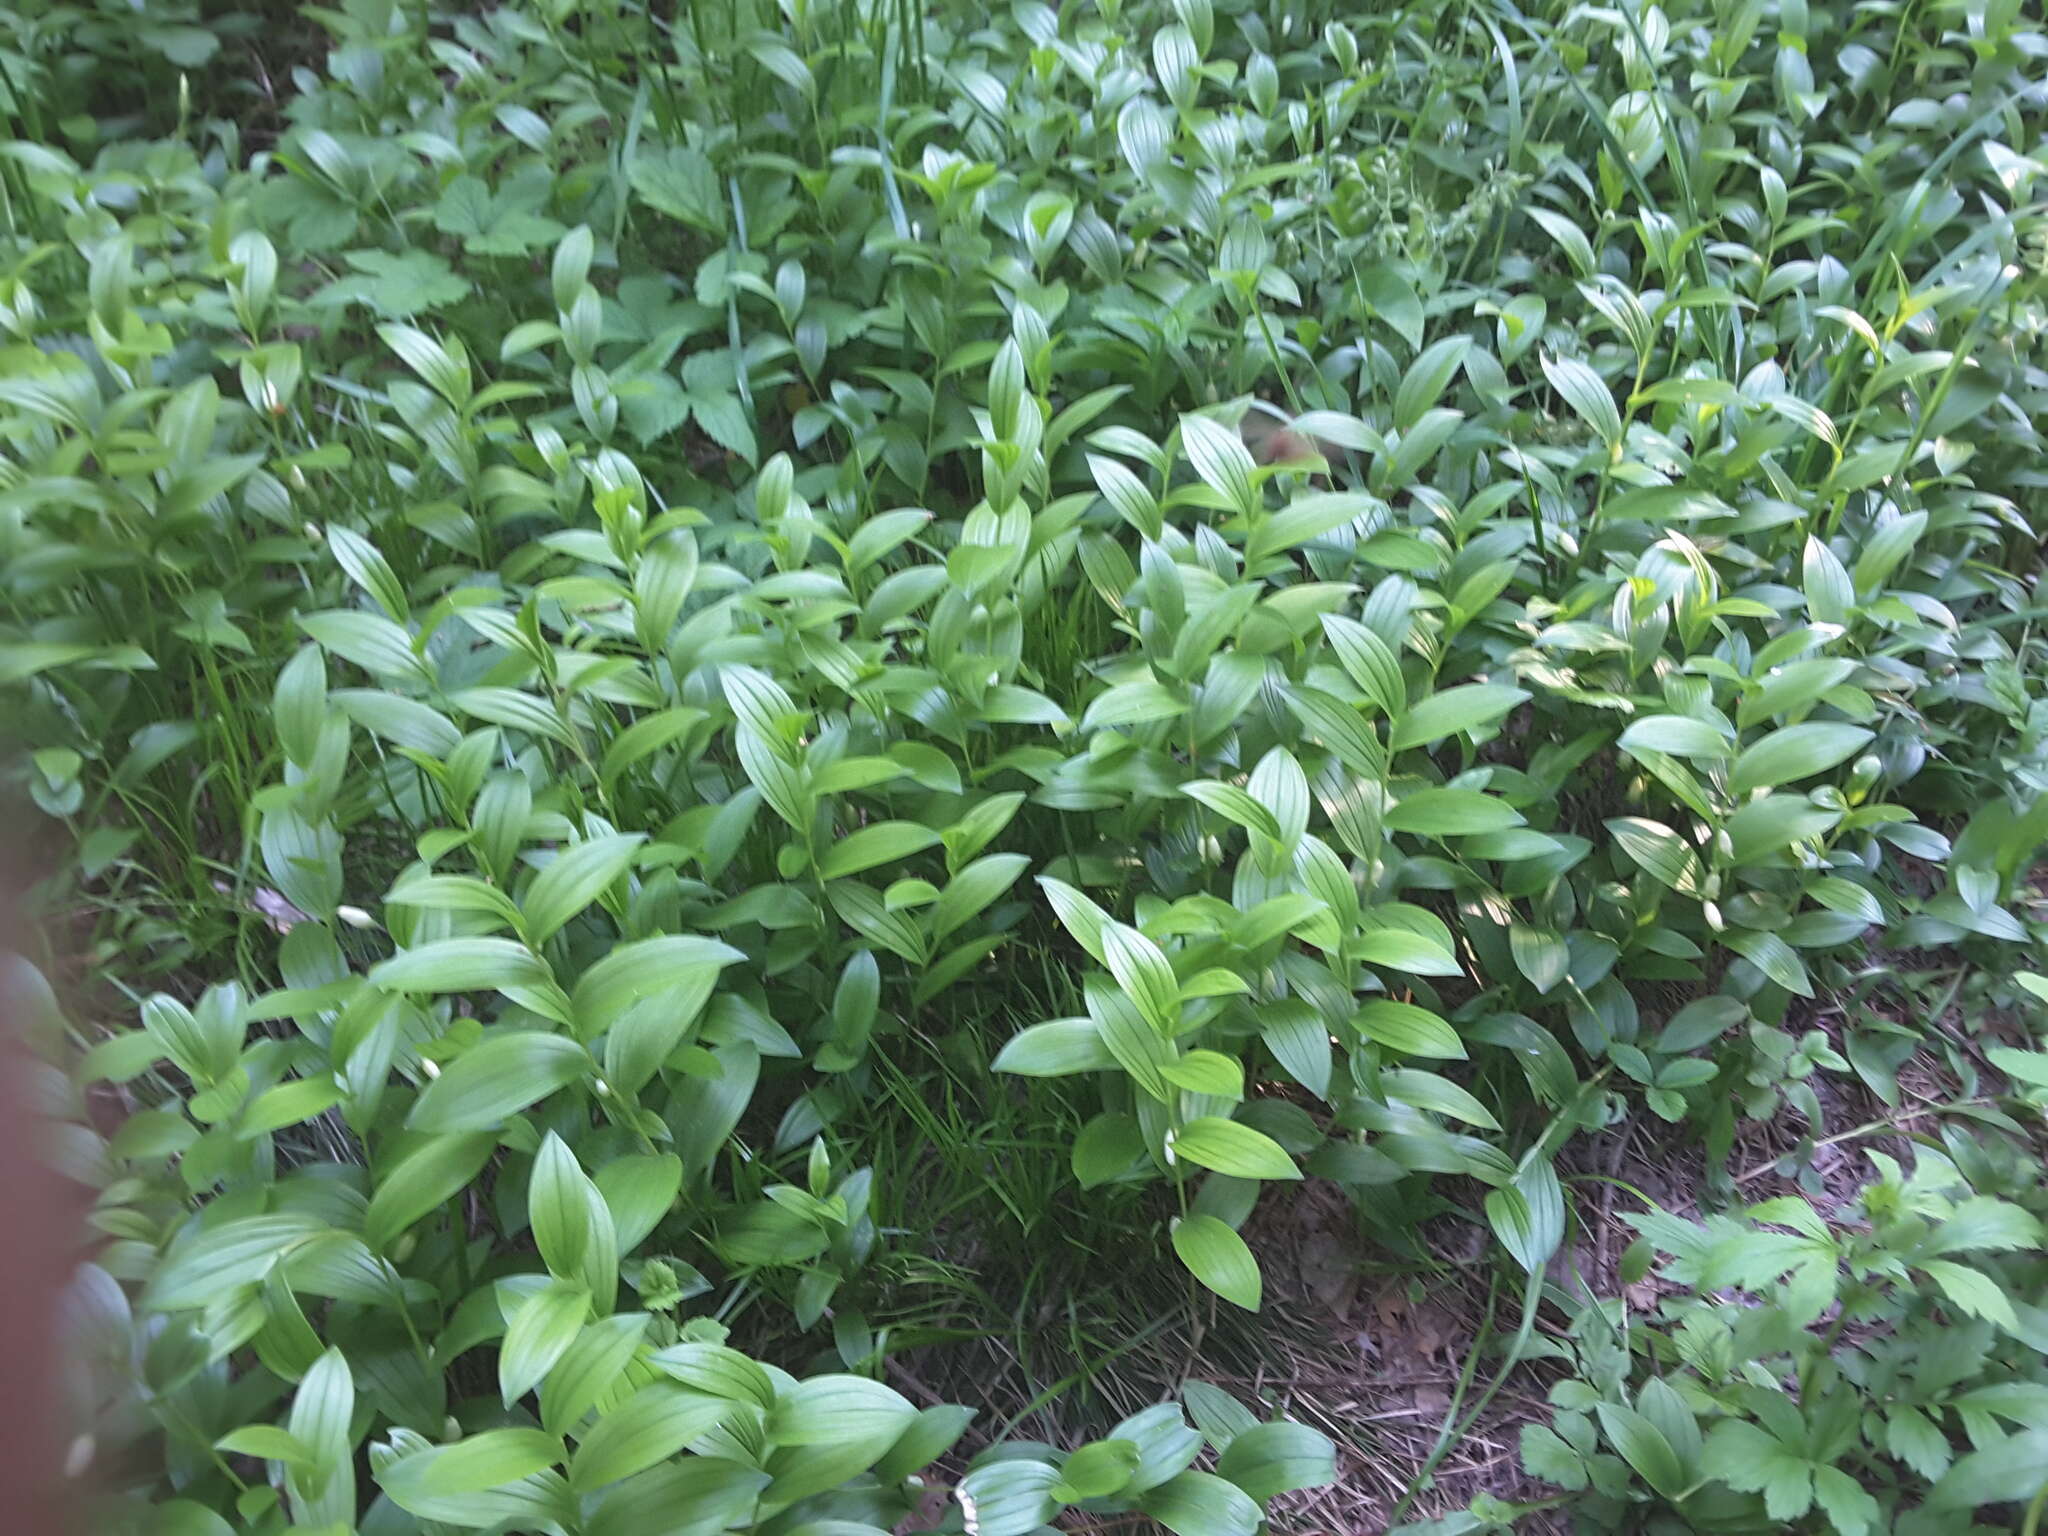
(463, 965)
(886, 842)
(1885, 549)
(572, 1225)
(1267, 1460)
(1439, 1095)
(268, 1442)
(1077, 914)
(1508, 1213)
(1202, 1504)
(1307, 518)
(401, 721)
(1144, 975)
(1974, 1292)
(1233, 804)
(1662, 853)
(497, 1077)
(1678, 735)
(1399, 949)
(1983, 1224)
(1912, 1438)
(588, 1368)
(1011, 1497)
(714, 1369)
(1136, 703)
(1643, 1447)
(1370, 662)
(1296, 1035)
(1545, 1455)
(1108, 1146)
(1449, 812)
(291, 1103)
(837, 1410)
(489, 1460)
(929, 1436)
(369, 640)
(538, 1335)
(1539, 954)
(1422, 386)
(1138, 1046)
(681, 183)
(1771, 955)
(1056, 1048)
(639, 1191)
(1830, 595)
(575, 877)
(1408, 1029)
(1588, 396)
(2009, 1471)
(672, 965)
(1207, 1072)
(1795, 752)
(649, 1427)
(1229, 1147)
(1469, 707)
(1853, 1511)
(1218, 1257)
(511, 708)
(2023, 1066)
(973, 888)
(427, 1176)
(698, 1495)
(400, 283)
(1845, 896)
(1096, 1471)
(1751, 1461)
(1220, 457)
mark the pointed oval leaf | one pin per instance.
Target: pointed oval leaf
(1225, 1146)
(497, 1077)
(1796, 752)
(573, 879)
(1219, 1258)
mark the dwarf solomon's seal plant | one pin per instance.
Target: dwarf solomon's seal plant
(759, 742)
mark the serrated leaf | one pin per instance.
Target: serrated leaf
(680, 182)
(1974, 1292)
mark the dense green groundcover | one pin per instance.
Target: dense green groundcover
(603, 608)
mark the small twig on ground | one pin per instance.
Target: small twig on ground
(1868, 1128)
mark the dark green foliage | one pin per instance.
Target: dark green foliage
(636, 619)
